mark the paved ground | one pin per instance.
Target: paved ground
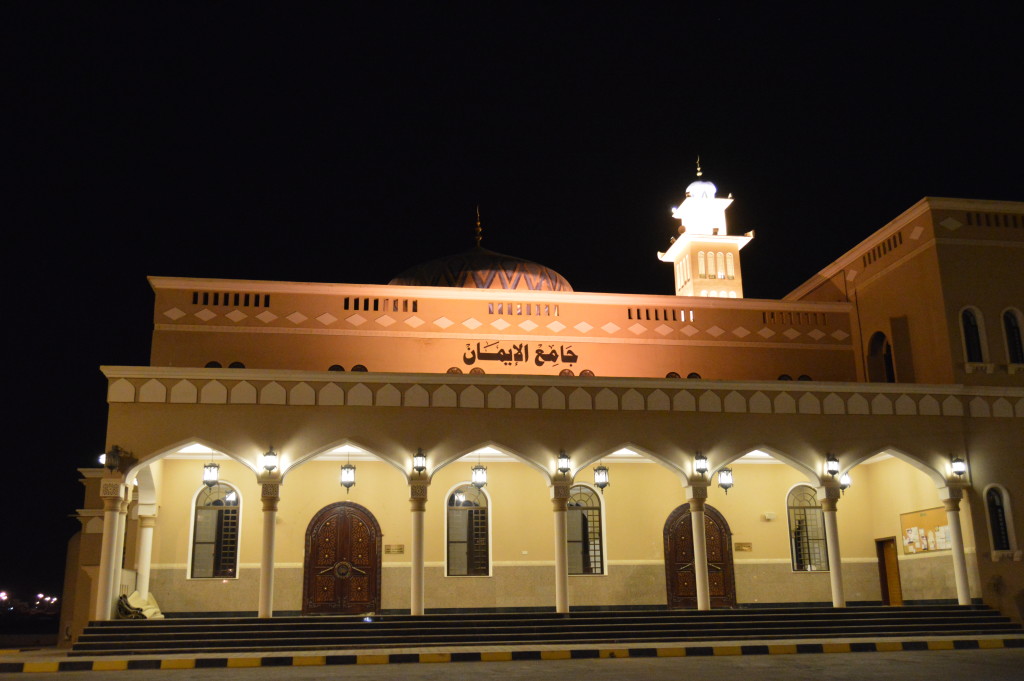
(990, 665)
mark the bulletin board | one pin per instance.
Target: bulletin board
(925, 531)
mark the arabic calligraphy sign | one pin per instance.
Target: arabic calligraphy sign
(519, 353)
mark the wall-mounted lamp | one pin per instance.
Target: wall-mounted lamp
(844, 482)
(725, 479)
(959, 466)
(700, 464)
(419, 461)
(112, 460)
(832, 465)
(270, 460)
(601, 477)
(563, 462)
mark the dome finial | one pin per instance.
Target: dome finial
(479, 230)
(699, 173)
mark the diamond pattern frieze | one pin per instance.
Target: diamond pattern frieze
(663, 330)
(356, 320)
(528, 325)
(740, 332)
(443, 322)
(766, 333)
(296, 317)
(556, 326)
(791, 333)
(583, 327)
(472, 323)
(610, 327)
(816, 334)
(916, 233)
(690, 331)
(951, 224)
(327, 319)
(637, 329)
(266, 316)
(839, 335)
(715, 331)
(236, 316)
(174, 314)
(414, 322)
(205, 314)
(384, 320)
(500, 324)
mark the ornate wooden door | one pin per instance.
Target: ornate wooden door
(680, 577)
(343, 562)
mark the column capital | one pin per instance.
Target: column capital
(147, 521)
(694, 491)
(419, 488)
(828, 505)
(112, 488)
(951, 492)
(952, 504)
(561, 483)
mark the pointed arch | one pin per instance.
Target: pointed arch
(935, 476)
(344, 442)
(635, 449)
(164, 452)
(491, 444)
(716, 463)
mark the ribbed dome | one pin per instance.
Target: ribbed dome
(480, 268)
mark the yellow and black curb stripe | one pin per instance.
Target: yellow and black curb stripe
(115, 664)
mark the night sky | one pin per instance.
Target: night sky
(345, 144)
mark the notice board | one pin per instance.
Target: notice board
(925, 531)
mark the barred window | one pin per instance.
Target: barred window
(467, 543)
(215, 533)
(806, 530)
(583, 531)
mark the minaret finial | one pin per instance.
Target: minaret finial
(479, 230)
(699, 173)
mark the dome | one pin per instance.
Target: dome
(701, 189)
(481, 268)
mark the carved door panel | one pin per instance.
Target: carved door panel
(343, 562)
(680, 576)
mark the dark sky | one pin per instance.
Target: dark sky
(346, 143)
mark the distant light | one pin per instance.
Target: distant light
(725, 479)
(103, 459)
(39, 596)
(367, 619)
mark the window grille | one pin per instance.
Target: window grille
(806, 530)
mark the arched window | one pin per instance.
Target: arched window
(686, 269)
(1011, 328)
(336, 367)
(236, 365)
(215, 532)
(970, 327)
(721, 265)
(701, 271)
(997, 504)
(213, 365)
(583, 531)
(468, 553)
(806, 530)
(730, 268)
(880, 367)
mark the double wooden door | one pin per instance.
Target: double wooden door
(680, 575)
(343, 562)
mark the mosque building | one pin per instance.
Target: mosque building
(478, 435)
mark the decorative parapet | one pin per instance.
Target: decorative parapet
(160, 385)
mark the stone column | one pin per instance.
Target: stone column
(951, 500)
(122, 521)
(697, 495)
(830, 498)
(144, 555)
(270, 494)
(111, 492)
(559, 500)
(418, 484)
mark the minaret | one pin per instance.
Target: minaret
(705, 258)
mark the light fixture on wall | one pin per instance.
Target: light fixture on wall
(959, 466)
(563, 462)
(419, 461)
(725, 479)
(844, 482)
(270, 460)
(211, 473)
(832, 465)
(112, 460)
(700, 463)
(601, 476)
(348, 476)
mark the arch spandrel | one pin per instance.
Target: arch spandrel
(145, 460)
(402, 459)
(850, 462)
(438, 460)
(591, 455)
(806, 464)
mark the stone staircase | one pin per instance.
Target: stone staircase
(320, 633)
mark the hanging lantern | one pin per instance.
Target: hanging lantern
(959, 466)
(112, 459)
(460, 497)
(601, 477)
(844, 482)
(479, 478)
(211, 474)
(419, 461)
(563, 462)
(270, 460)
(348, 476)
(725, 479)
(832, 465)
(700, 464)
